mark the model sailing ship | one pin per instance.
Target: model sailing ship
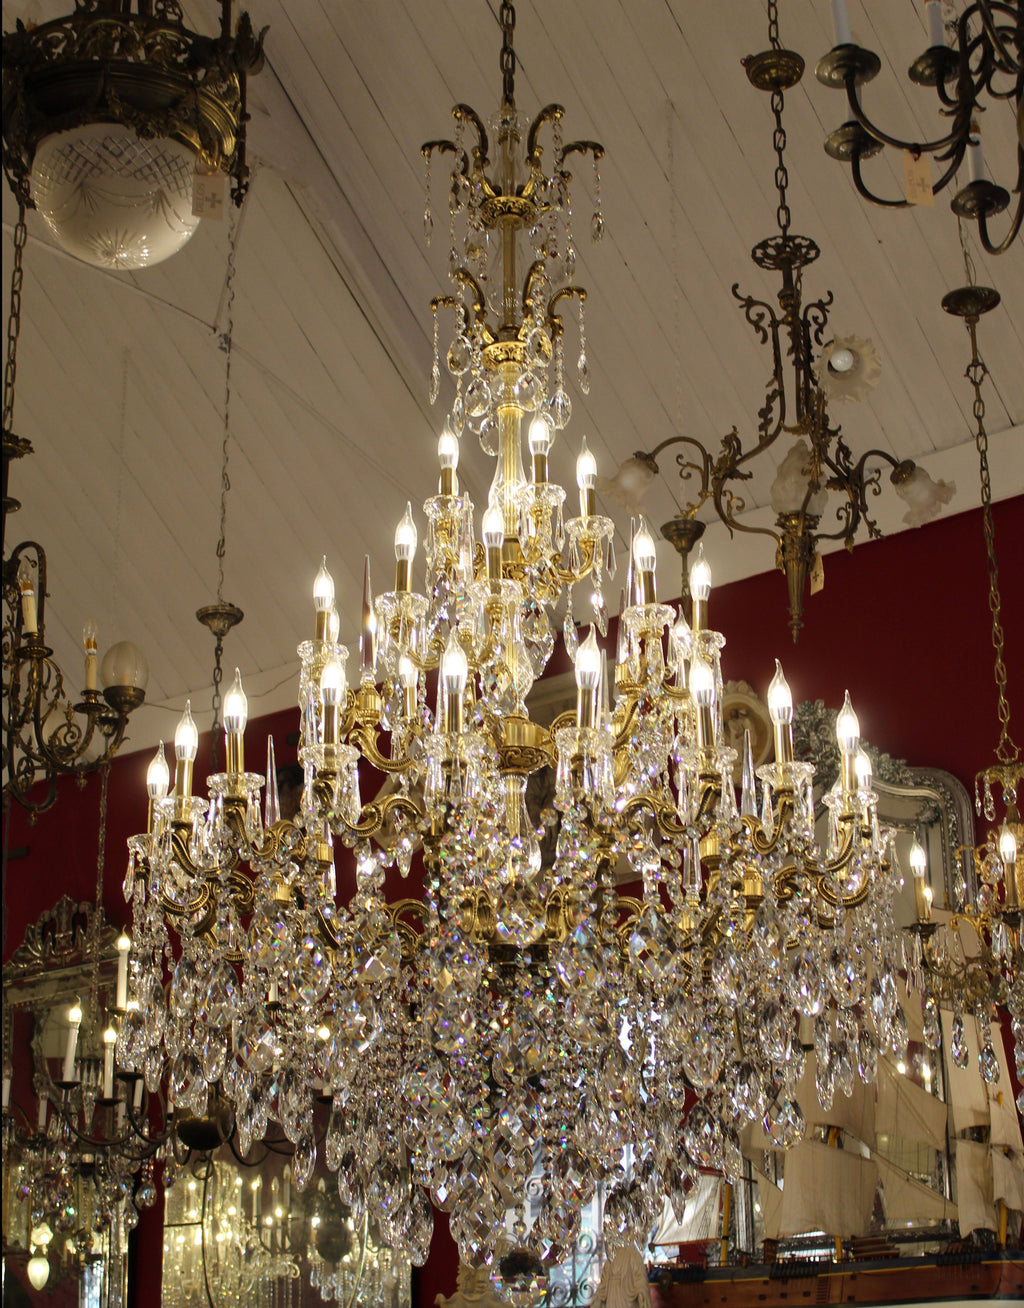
(892, 1195)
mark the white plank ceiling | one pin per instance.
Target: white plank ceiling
(121, 381)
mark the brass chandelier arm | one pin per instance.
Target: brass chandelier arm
(551, 113)
(464, 113)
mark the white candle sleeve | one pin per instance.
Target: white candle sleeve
(936, 28)
(841, 22)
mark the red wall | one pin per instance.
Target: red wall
(903, 623)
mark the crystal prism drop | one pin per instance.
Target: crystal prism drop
(428, 225)
(597, 226)
(435, 382)
(271, 801)
(583, 372)
(748, 796)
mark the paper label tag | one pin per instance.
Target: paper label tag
(208, 193)
(817, 574)
(917, 178)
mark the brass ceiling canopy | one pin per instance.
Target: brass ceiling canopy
(112, 111)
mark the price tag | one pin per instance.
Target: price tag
(917, 178)
(208, 193)
(817, 574)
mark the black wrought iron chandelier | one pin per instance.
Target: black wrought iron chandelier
(984, 63)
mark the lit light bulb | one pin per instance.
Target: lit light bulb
(186, 736)
(588, 663)
(492, 527)
(158, 776)
(333, 624)
(862, 770)
(323, 589)
(847, 727)
(38, 1269)
(405, 549)
(702, 682)
(700, 577)
(448, 449)
(333, 682)
(540, 435)
(454, 666)
(1007, 846)
(586, 479)
(407, 673)
(448, 457)
(918, 859)
(780, 698)
(236, 706)
(645, 560)
(406, 537)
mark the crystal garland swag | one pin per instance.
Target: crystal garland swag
(517, 1028)
(518, 1033)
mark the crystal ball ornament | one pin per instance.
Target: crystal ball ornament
(113, 200)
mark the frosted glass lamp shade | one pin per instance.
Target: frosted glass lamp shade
(124, 665)
(113, 200)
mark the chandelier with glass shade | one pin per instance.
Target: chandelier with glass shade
(118, 119)
(508, 1033)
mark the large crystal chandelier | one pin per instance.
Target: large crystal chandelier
(513, 1033)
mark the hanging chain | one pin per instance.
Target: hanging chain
(14, 319)
(101, 861)
(1007, 750)
(782, 214)
(225, 345)
(507, 18)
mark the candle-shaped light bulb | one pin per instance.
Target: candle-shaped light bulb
(448, 457)
(158, 776)
(124, 946)
(333, 685)
(539, 438)
(408, 676)
(586, 479)
(89, 647)
(588, 678)
(780, 709)
(862, 770)
(323, 598)
(74, 1022)
(1007, 846)
(236, 714)
(1008, 853)
(27, 589)
(454, 675)
(333, 625)
(919, 866)
(645, 560)
(186, 745)
(702, 682)
(492, 531)
(702, 692)
(405, 549)
(847, 727)
(700, 589)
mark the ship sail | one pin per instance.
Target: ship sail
(909, 1202)
(825, 1189)
(700, 1215)
(906, 1111)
